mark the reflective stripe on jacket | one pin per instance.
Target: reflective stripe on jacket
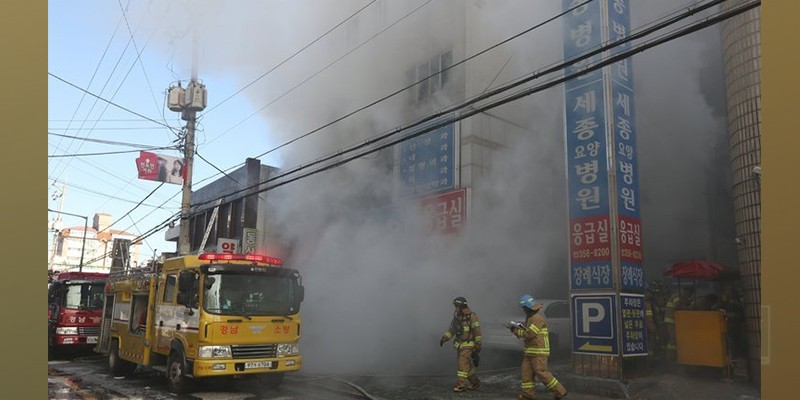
(535, 334)
(470, 330)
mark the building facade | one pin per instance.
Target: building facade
(69, 246)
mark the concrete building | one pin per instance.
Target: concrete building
(240, 223)
(97, 253)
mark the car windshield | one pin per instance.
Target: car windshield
(85, 296)
(250, 294)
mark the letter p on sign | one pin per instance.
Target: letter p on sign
(592, 312)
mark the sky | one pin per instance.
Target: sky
(372, 278)
(90, 46)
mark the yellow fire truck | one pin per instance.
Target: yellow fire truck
(212, 315)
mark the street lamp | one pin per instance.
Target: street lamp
(85, 228)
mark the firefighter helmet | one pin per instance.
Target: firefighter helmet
(656, 286)
(527, 301)
(460, 301)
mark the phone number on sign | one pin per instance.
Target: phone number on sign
(589, 253)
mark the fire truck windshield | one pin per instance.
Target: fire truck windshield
(84, 296)
(250, 294)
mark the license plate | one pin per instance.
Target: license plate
(91, 339)
(258, 364)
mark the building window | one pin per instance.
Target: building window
(437, 69)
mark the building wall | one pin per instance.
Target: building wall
(742, 58)
(69, 244)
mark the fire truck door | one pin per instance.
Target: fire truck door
(164, 320)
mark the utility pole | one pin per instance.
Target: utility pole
(85, 228)
(55, 225)
(188, 153)
(188, 102)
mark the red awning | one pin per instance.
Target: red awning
(702, 270)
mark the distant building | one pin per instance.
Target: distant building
(97, 253)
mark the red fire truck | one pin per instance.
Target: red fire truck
(75, 306)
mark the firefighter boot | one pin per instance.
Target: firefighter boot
(474, 383)
(459, 388)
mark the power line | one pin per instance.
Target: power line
(119, 87)
(94, 74)
(619, 56)
(290, 57)
(109, 101)
(74, 186)
(132, 209)
(322, 70)
(97, 120)
(215, 167)
(109, 142)
(386, 97)
(108, 153)
(127, 182)
(675, 34)
(108, 129)
(537, 26)
(139, 59)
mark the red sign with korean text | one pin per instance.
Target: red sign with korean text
(590, 238)
(446, 212)
(158, 167)
(630, 239)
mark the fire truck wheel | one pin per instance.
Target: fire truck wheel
(117, 365)
(176, 372)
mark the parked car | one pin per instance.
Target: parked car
(496, 336)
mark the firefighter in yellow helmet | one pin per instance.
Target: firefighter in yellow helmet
(466, 330)
(537, 350)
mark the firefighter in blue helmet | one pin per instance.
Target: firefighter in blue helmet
(537, 350)
(466, 331)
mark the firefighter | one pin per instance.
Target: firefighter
(680, 300)
(537, 350)
(465, 330)
(731, 304)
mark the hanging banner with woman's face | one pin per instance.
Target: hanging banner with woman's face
(157, 167)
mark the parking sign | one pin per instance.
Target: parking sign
(594, 324)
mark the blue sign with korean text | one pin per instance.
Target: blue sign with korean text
(595, 327)
(427, 162)
(624, 144)
(586, 110)
(634, 325)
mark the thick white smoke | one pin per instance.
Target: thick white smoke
(378, 287)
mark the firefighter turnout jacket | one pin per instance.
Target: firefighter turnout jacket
(537, 339)
(465, 329)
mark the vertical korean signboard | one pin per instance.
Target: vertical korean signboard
(427, 162)
(587, 154)
(626, 181)
(602, 173)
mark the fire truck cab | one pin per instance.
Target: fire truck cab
(212, 315)
(75, 302)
